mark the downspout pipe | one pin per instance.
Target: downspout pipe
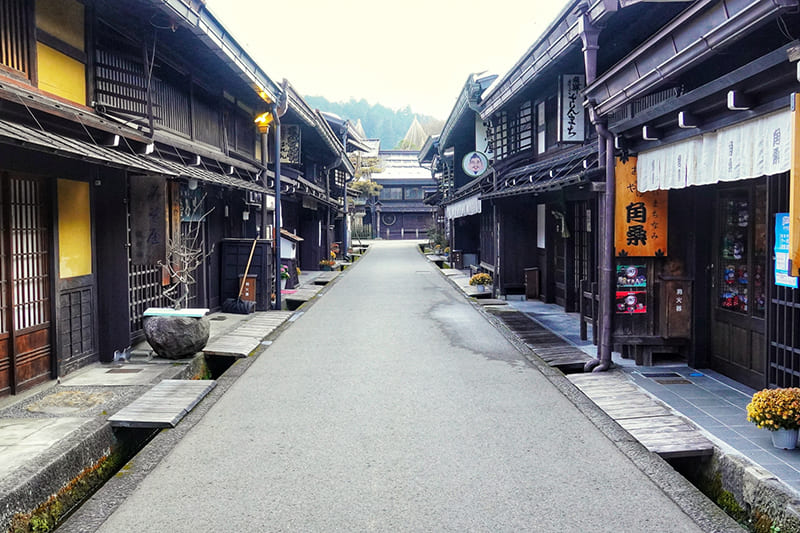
(277, 111)
(603, 360)
(345, 243)
(590, 35)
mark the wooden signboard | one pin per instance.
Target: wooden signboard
(148, 223)
(794, 191)
(640, 217)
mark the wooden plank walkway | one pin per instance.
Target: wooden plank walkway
(647, 419)
(247, 336)
(551, 348)
(164, 405)
(326, 277)
(301, 295)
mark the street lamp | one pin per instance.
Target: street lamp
(378, 207)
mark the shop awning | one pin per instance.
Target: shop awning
(33, 138)
(756, 147)
(463, 208)
(552, 174)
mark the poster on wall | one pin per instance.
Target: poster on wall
(630, 302)
(782, 276)
(640, 218)
(631, 289)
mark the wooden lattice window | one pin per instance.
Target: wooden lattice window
(15, 35)
(30, 255)
(525, 127)
(120, 74)
(500, 136)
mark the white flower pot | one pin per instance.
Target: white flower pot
(283, 284)
(785, 439)
(480, 288)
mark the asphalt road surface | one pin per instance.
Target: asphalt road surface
(393, 404)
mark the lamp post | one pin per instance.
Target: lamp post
(263, 122)
(378, 219)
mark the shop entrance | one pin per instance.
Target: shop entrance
(25, 257)
(738, 285)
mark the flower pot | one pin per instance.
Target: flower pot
(785, 439)
(480, 288)
(283, 284)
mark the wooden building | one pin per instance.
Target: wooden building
(315, 169)
(700, 113)
(674, 199)
(121, 124)
(459, 160)
(400, 212)
(544, 191)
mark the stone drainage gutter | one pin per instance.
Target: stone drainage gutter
(74, 467)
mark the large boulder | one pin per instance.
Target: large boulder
(176, 337)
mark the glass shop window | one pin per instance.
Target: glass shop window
(742, 251)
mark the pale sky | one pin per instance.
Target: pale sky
(417, 52)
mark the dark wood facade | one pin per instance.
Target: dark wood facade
(95, 100)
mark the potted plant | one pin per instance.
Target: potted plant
(480, 281)
(284, 276)
(777, 410)
(327, 264)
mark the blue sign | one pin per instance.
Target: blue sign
(782, 276)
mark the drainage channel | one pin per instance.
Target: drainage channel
(126, 443)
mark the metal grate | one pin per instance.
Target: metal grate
(673, 381)
(661, 374)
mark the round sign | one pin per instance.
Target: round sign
(475, 164)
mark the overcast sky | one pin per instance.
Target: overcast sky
(416, 52)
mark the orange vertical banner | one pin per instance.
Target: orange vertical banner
(794, 190)
(640, 218)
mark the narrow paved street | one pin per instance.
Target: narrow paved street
(392, 404)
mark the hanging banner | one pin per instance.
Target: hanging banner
(640, 227)
(571, 112)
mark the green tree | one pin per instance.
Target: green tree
(366, 187)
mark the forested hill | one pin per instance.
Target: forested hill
(379, 122)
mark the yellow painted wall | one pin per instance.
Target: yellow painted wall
(61, 75)
(74, 229)
(63, 19)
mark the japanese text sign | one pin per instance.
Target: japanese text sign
(640, 217)
(570, 106)
(782, 276)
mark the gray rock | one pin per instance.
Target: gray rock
(175, 337)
